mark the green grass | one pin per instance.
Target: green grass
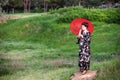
(40, 48)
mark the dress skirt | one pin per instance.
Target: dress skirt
(84, 51)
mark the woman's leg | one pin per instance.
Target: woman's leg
(87, 62)
(80, 62)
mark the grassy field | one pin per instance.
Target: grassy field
(40, 48)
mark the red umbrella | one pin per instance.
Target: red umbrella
(76, 23)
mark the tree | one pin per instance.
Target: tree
(79, 2)
(3, 2)
(67, 3)
(27, 5)
(46, 2)
(15, 3)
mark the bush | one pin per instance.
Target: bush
(103, 15)
(38, 10)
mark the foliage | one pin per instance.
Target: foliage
(103, 15)
(55, 4)
(39, 47)
(37, 10)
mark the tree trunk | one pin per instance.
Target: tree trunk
(0, 10)
(99, 3)
(44, 5)
(79, 2)
(109, 4)
(25, 4)
(29, 5)
(13, 10)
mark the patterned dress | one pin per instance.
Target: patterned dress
(84, 52)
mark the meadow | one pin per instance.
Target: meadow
(42, 47)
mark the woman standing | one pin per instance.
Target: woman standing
(84, 51)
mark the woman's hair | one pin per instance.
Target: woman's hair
(85, 24)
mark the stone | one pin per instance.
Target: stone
(90, 75)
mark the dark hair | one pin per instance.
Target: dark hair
(85, 24)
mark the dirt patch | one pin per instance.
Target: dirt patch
(5, 18)
(10, 67)
(59, 63)
(90, 75)
(14, 64)
(11, 56)
(2, 20)
(13, 17)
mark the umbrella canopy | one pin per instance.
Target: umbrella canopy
(76, 23)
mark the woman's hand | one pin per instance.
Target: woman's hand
(80, 36)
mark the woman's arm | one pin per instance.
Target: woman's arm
(79, 34)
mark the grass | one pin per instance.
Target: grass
(40, 48)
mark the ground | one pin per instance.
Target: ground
(38, 48)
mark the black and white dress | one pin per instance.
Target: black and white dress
(84, 51)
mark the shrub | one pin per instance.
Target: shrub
(103, 15)
(38, 10)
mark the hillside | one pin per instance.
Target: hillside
(43, 48)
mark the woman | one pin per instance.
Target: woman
(84, 52)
